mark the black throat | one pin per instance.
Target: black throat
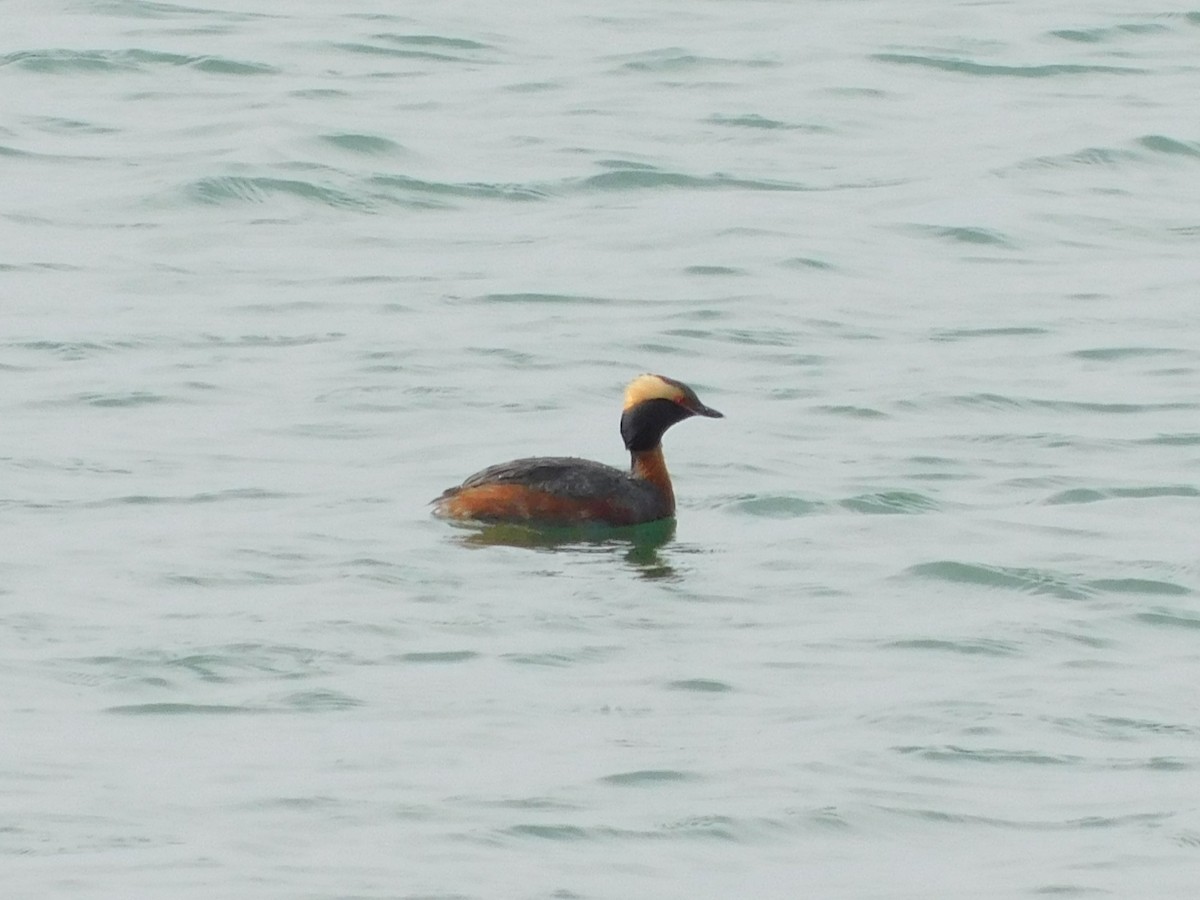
(642, 426)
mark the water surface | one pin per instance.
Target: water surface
(927, 623)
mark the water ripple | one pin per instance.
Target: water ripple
(69, 62)
(1142, 151)
(703, 828)
(753, 120)
(235, 494)
(977, 647)
(1110, 354)
(121, 400)
(1108, 34)
(673, 59)
(226, 664)
(417, 47)
(952, 753)
(1165, 618)
(1002, 401)
(1004, 331)
(439, 656)
(648, 777)
(366, 144)
(961, 66)
(1139, 586)
(656, 179)
(419, 192)
(700, 685)
(777, 506)
(182, 709)
(259, 189)
(1095, 495)
(1026, 580)
(1069, 824)
(890, 503)
(962, 234)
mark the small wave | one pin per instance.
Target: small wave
(1145, 150)
(700, 686)
(439, 656)
(753, 120)
(227, 579)
(76, 350)
(559, 832)
(59, 125)
(1143, 586)
(1095, 495)
(226, 664)
(808, 262)
(127, 399)
(587, 654)
(754, 337)
(150, 9)
(890, 503)
(1169, 619)
(1136, 729)
(318, 701)
(221, 66)
(259, 189)
(432, 40)
(378, 571)
(1087, 157)
(1002, 401)
(952, 753)
(1186, 439)
(984, 400)
(651, 777)
(415, 191)
(1107, 35)
(532, 87)
(977, 647)
(960, 66)
(644, 178)
(302, 701)
(1109, 354)
(957, 818)
(407, 52)
(268, 340)
(551, 299)
(68, 62)
(1170, 146)
(366, 144)
(182, 709)
(705, 828)
(673, 60)
(238, 494)
(541, 659)
(713, 270)
(965, 234)
(854, 412)
(1025, 580)
(1111, 408)
(964, 334)
(779, 506)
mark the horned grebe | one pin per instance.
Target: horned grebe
(554, 490)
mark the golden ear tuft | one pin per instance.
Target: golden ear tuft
(652, 387)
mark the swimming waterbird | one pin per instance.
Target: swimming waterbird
(554, 490)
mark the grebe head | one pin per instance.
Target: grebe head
(653, 403)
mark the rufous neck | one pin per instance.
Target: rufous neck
(649, 465)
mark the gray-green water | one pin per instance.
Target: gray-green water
(271, 278)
